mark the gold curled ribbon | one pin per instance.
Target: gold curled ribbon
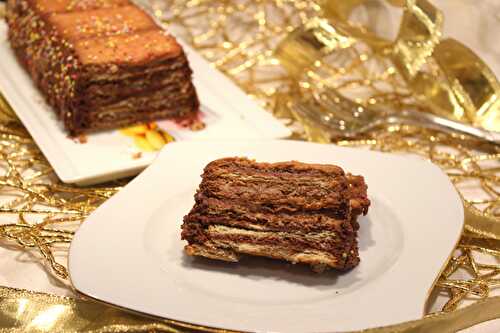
(472, 82)
(445, 76)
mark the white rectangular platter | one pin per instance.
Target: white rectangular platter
(226, 110)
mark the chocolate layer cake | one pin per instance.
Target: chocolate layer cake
(302, 213)
(101, 63)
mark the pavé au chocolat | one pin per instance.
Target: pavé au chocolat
(301, 213)
(101, 64)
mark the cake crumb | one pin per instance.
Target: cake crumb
(191, 122)
(82, 138)
(136, 155)
(197, 125)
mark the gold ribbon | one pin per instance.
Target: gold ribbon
(28, 311)
(444, 75)
(481, 226)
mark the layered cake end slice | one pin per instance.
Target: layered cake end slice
(293, 211)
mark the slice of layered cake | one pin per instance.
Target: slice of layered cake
(101, 64)
(302, 213)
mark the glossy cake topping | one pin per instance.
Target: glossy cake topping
(101, 22)
(55, 6)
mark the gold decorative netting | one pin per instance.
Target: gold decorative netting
(244, 39)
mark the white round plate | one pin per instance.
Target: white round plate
(129, 252)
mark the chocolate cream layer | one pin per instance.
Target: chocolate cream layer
(231, 251)
(176, 85)
(175, 75)
(328, 241)
(214, 210)
(164, 97)
(277, 187)
(140, 117)
(331, 248)
(125, 116)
